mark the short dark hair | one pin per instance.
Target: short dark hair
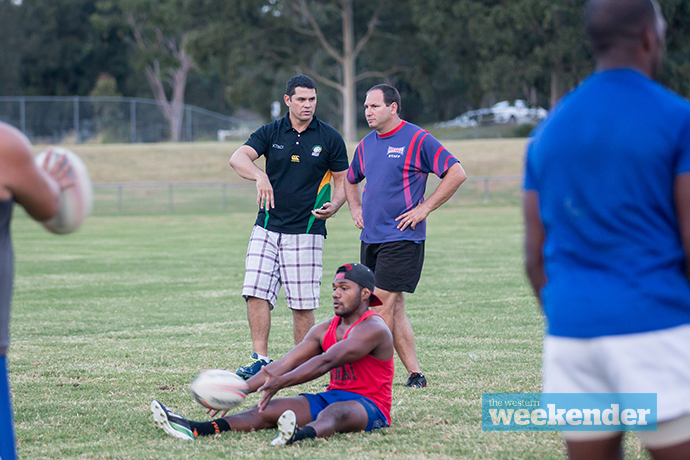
(390, 94)
(301, 81)
(611, 23)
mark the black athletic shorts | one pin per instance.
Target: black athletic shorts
(397, 265)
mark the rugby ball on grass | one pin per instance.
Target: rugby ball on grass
(77, 200)
(219, 389)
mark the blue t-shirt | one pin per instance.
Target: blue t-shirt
(603, 164)
(396, 166)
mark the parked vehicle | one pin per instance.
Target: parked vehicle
(461, 121)
(502, 112)
(517, 114)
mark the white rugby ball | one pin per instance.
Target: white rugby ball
(219, 389)
(77, 200)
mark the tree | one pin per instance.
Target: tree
(239, 43)
(532, 48)
(10, 51)
(677, 68)
(58, 51)
(159, 31)
(334, 25)
(445, 70)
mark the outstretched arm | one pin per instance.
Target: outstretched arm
(308, 348)
(361, 341)
(534, 243)
(242, 161)
(450, 182)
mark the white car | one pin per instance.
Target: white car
(516, 114)
(462, 121)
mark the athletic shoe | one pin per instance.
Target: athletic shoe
(173, 424)
(287, 426)
(416, 380)
(253, 368)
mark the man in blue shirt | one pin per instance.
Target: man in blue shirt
(607, 215)
(396, 159)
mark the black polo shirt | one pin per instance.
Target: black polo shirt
(296, 165)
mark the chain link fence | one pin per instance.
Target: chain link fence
(193, 197)
(77, 119)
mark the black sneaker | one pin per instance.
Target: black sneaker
(416, 380)
(174, 425)
(254, 366)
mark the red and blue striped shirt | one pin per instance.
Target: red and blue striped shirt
(396, 166)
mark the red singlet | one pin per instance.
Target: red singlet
(368, 376)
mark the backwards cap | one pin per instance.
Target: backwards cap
(361, 275)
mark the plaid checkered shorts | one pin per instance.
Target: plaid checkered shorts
(293, 261)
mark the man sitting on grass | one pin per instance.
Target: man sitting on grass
(356, 342)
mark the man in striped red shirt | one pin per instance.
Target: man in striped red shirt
(396, 159)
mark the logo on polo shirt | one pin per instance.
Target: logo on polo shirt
(316, 150)
(294, 158)
(278, 146)
(395, 152)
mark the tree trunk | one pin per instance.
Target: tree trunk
(346, 59)
(555, 88)
(349, 84)
(172, 110)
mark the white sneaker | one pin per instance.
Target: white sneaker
(287, 425)
(172, 424)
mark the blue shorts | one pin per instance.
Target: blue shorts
(320, 401)
(7, 451)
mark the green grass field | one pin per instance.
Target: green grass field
(131, 308)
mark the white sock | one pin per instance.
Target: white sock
(265, 358)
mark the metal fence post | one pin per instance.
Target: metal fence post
(170, 198)
(22, 114)
(132, 121)
(77, 136)
(486, 189)
(189, 124)
(119, 198)
(224, 188)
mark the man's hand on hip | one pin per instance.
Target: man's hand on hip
(412, 217)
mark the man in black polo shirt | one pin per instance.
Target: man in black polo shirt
(302, 155)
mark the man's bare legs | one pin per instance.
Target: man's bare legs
(302, 321)
(611, 449)
(252, 419)
(601, 449)
(259, 316)
(340, 417)
(393, 312)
